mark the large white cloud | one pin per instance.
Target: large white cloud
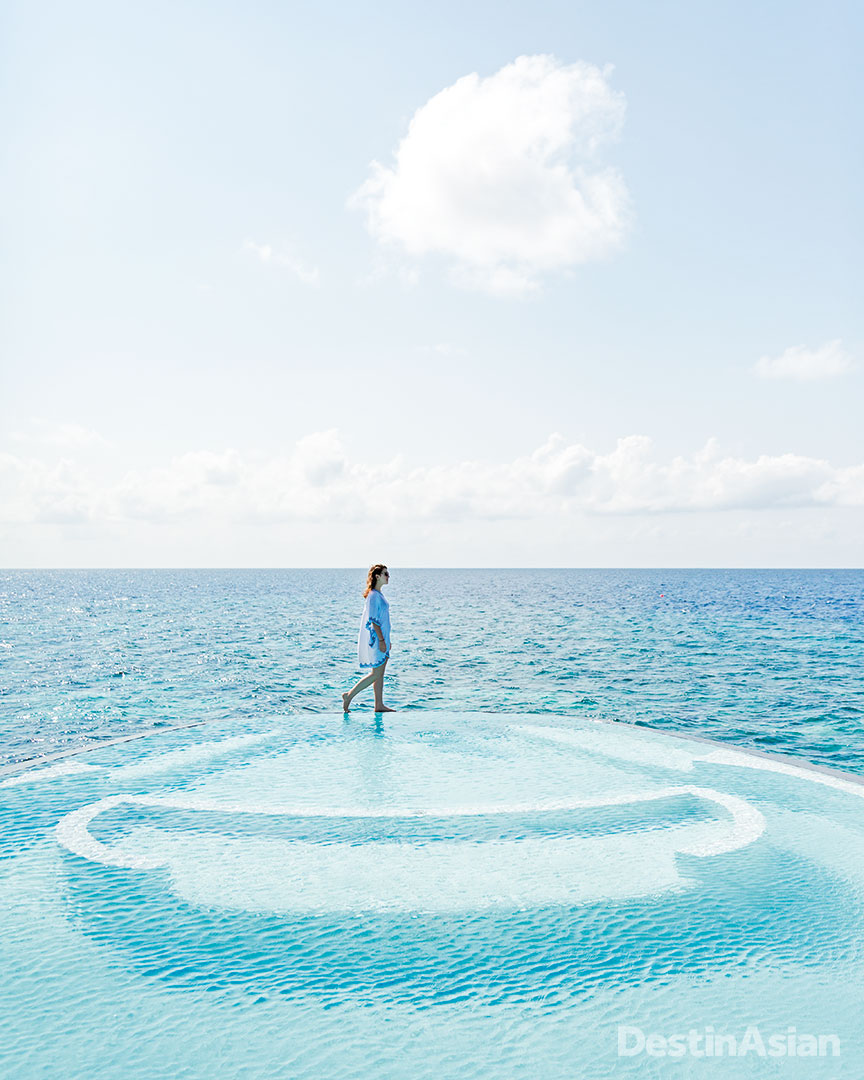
(317, 481)
(804, 364)
(503, 177)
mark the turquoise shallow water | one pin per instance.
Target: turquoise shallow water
(489, 883)
(433, 894)
(765, 659)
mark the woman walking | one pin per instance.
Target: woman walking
(373, 642)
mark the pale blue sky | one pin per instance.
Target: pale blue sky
(147, 146)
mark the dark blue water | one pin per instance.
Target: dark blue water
(770, 659)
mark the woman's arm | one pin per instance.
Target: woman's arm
(376, 626)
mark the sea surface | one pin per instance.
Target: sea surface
(764, 659)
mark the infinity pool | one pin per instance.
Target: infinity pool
(430, 895)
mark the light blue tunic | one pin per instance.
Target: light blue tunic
(375, 610)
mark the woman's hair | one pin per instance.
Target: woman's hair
(374, 571)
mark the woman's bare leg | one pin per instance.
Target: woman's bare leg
(375, 678)
(361, 685)
(378, 687)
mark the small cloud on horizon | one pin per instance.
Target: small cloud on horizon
(802, 364)
(64, 435)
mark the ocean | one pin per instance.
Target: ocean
(763, 659)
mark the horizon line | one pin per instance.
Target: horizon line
(8, 569)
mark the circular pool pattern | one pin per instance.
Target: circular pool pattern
(431, 895)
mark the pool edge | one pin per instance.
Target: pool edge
(15, 768)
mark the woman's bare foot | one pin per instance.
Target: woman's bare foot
(383, 708)
(346, 701)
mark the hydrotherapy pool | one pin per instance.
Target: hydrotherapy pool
(430, 895)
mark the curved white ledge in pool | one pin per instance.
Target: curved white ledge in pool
(293, 875)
